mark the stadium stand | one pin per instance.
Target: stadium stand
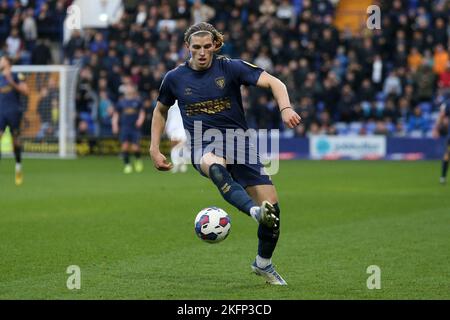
(341, 80)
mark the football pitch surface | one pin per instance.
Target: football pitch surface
(132, 236)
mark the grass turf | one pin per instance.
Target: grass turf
(133, 236)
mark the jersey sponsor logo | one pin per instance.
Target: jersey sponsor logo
(129, 110)
(6, 89)
(220, 82)
(208, 106)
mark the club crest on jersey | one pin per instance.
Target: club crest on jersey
(220, 82)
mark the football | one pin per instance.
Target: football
(212, 225)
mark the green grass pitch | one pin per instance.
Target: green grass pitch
(133, 237)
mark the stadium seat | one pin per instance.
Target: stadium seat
(342, 128)
(355, 127)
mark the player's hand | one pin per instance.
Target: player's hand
(290, 118)
(160, 161)
(115, 130)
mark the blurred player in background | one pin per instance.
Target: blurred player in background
(207, 88)
(11, 87)
(443, 123)
(179, 153)
(127, 120)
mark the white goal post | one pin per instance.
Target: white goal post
(48, 122)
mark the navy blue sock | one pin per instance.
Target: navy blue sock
(230, 190)
(126, 157)
(444, 168)
(268, 237)
(18, 154)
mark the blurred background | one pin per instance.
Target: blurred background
(344, 78)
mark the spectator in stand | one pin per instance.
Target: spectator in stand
(415, 59)
(417, 125)
(41, 54)
(201, 12)
(424, 80)
(29, 29)
(444, 78)
(440, 59)
(392, 85)
(14, 46)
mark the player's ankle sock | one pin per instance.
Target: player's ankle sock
(263, 262)
(126, 157)
(18, 154)
(444, 168)
(268, 237)
(18, 166)
(255, 213)
(231, 191)
(137, 155)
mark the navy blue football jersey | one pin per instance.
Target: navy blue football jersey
(128, 110)
(212, 96)
(9, 97)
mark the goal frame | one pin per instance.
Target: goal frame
(66, 132)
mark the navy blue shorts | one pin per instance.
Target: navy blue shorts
(11, 120)
(132, 135)
(246, 174)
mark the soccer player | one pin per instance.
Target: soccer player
(178, 140)
(128, 118)
(11, 87)
(443, 120)
(207, 88)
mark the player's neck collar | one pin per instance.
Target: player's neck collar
(187, 64)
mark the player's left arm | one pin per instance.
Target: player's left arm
(279, 91)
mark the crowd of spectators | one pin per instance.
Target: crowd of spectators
(387, 81)
(28, 27)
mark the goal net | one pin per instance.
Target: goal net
(48, 122)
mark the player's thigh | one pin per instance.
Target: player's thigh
(263, 192)
(208, 160)
(13, 121)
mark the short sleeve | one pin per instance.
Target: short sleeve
(245, 72)
(166, 96)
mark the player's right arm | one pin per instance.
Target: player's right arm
(158, 124)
